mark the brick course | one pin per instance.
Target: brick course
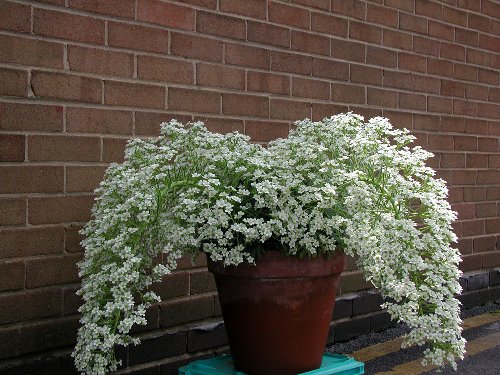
(80, 77)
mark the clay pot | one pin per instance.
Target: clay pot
(277, 314)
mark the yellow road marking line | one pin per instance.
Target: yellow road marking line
(394, 345)
(474, 347)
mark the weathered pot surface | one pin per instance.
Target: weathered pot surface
(277, 314)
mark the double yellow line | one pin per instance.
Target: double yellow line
(415, 367)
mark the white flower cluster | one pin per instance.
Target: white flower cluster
(335, 183)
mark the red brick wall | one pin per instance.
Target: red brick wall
(79, 77)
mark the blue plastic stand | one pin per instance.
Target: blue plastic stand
(223, 365)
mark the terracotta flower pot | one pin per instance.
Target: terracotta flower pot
(277, 313)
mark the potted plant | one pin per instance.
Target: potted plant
(340, 184)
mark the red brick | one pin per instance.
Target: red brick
(455, 161)
(31, 179)
(488, 177)
(425, 122)
(266, 33)
(308, 88)
(245, 105)
(464, 210)
(323, 110)
(464, 107)
(408, 5)
(477, 57)
(489, 42)
(452, 124)
(92, 120)
(439, 104)
(12, 275)
(487, 144)
(328, 24)
(381, 15)
(476, 92)
(465, 72)
(398, 79)
(492, 225)
(265, 131)
(412, 62)
(490, 8)
(488, 110)
(242, 55)
(292, 63)
(426, 46)
(366, 112)
(14, 82)
(353, 282)
(216, 24)
(113, 150)
(464, 245)
(134, 94)
(452, 88)
(12, 147)
(220, 76)
(165, 70)
(12, 211)
(312, 43)
(441, 31)
(477, 161)
(148, 123)
(68, 87)
(429, 8)
(353, 8)
(174, 285)
(454, 16)
(194, 100)
(465, 143)
(470, 262)
(52, 270)
(440, 142)
(469, 4)
(493, 160)
(426, 84)
(289, 15)
(366, 74)
(26, 117)
(486, 209)
(494, 94)
(137, 37)
(250, 8)
(212, 4)
(71, 301)
(222, 125)
(476, 127)
(452, 51)
(60, 209)
(439, 67)
(494, 128)
(479, 22)
(463, 36)
(27, 242)
(365, 33)
(400, 120)
(320, 4)
(330, 69)
(37, 304)
(474, 194)
(397, 39)
(289, 109)
(347, 93)
(15, 17)
(165, 14)
(381, 56)
(268, 82)
(68, 26)
(464, 177)
(63, 148)
(347, 50)
(413, 23)
(412, 101)
(83, 179)
(119, 8)
(31, 52)
(183, 311)
(99, 61)
(382, 98)
(491, 259)
(494, 61)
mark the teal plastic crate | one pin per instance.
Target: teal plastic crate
(223, 365)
